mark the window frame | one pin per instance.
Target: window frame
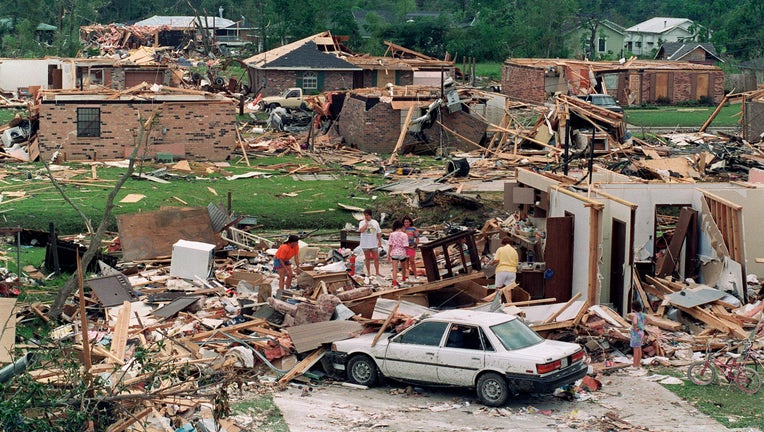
(310, 77)
(88, 122)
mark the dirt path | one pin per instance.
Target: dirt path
(633, 401)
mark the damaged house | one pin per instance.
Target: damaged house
(105, 124)
(633, 82)
(683, 230)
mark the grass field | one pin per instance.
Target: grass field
(720, 400)
(671, 116)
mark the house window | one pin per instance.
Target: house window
(310, 81)
(638, 44)
(601, 45)
(88, 122)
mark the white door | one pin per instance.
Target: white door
(462, 356)
(412, 355)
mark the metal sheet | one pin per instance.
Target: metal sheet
(692, 297)
(174, 307)
(112, 290)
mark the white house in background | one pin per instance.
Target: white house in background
(643, 38)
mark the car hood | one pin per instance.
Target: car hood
(546, 351)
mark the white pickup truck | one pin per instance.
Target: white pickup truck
(292, 98)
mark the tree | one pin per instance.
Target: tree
(95, 241)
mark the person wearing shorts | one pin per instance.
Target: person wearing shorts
(413, 235)
(397, 244)
(371, 241)
(506, 261)
(282, 261)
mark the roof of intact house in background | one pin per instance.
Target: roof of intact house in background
(675, 51)
(658, 25)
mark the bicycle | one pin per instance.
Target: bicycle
(748, 356)
(704, 372)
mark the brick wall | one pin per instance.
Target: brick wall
(196, 130)
(377, 129)
(523, 83)
(277, 81)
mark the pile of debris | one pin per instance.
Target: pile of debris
(208, 314)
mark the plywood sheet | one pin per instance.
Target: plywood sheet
(8, 324)
(150, 235)
(308, 337)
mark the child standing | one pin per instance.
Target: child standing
(397, 244)
(413, 235)
(637, 333)
(282, 261)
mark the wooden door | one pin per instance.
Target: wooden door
(558, 255)
(661, 86)
(701, 85)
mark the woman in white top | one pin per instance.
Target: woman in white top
(371, 241)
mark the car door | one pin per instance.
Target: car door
(412, 355)
(462, 355)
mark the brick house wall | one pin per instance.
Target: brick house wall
(681, 85)
(373, 126)
(194, 130)
(523, 83)
(277, 81)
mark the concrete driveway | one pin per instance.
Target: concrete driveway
(623, 402)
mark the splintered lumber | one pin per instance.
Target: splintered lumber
(562, 309)
(664, 323)
(717, 323)
(245, 325)
(129, 421)
(119, 338)
(716, 112)
(385, 324)
(642, 295)
(402, 136)
(303, 365)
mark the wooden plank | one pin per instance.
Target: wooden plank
(715, 322)
(245, 325)
(552, 326)
(302, 366)
(641, 292)
(562, 309)
(125, 423)
(385, 324)
(119, 336)
(402, 136)
(664, 323)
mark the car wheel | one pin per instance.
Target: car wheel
(362, 370)
(492, 389)
(273, 106)
(303, 106)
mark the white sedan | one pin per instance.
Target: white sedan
(495, 353)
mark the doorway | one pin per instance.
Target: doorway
(617, 261)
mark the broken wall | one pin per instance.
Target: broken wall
(612, 213)
(524, 83)
(194, 130)
(374, 126)
(651, 86)
(560, 205)
(15, 73)
(276, 81)
(752, 201)
(753, 127)
(647, 197)
(380, 78)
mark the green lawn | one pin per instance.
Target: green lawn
(720, 400)
(673, 116)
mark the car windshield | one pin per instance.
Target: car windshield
(516, 335)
